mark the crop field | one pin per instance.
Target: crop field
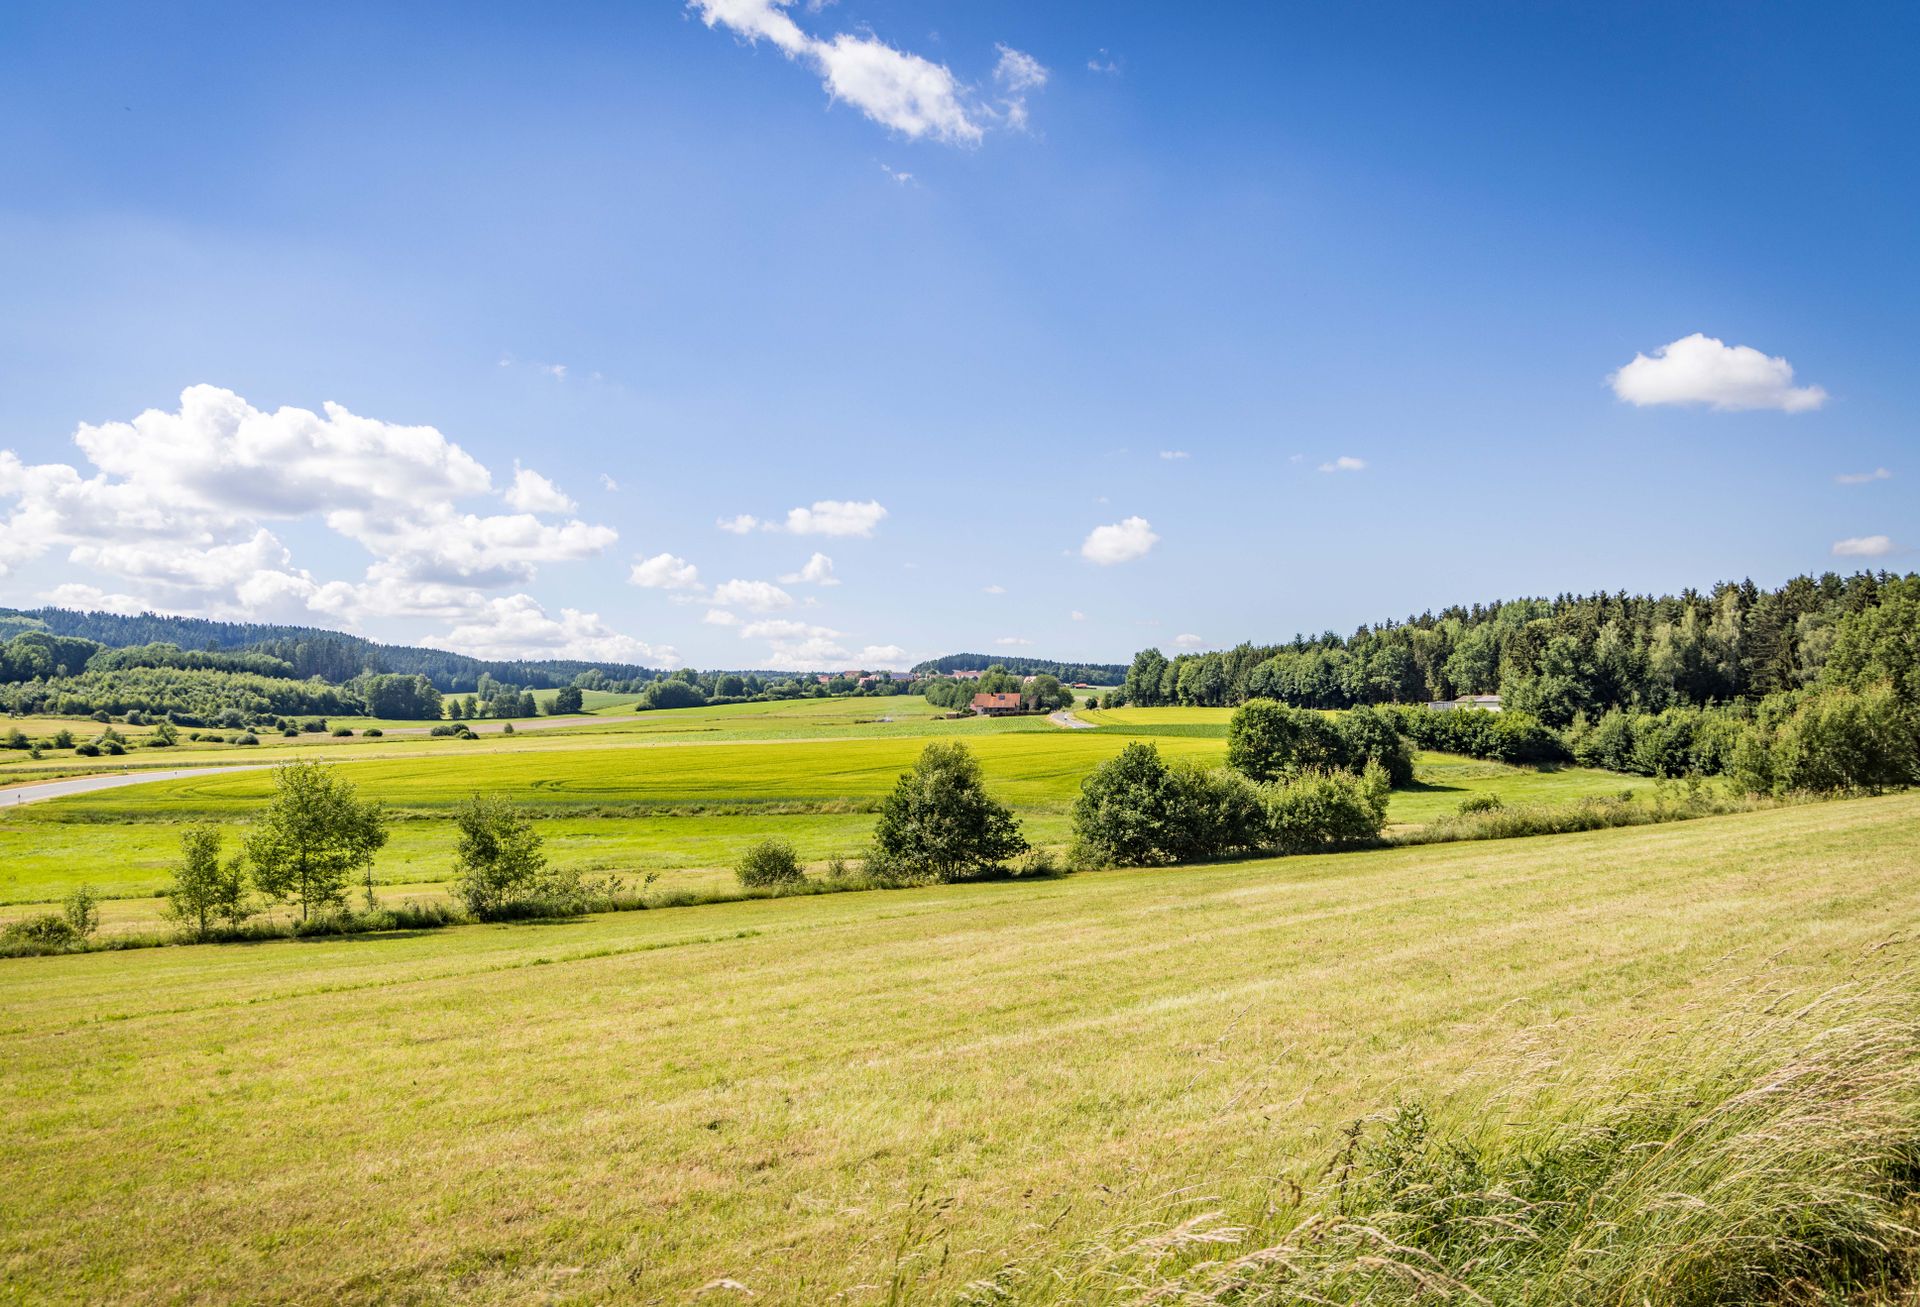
(881, 1095)
(678, 793)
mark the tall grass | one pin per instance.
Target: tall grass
(1766, 1154)
(1502, 822)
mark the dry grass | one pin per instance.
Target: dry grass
(872, 1097)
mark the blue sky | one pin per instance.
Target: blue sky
(1040, 322)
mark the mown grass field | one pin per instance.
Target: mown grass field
(879, 1095)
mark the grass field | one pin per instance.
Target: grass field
(680, 792)
(630, 1107)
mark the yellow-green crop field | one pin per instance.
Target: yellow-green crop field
(866, 1097)
(678, 793)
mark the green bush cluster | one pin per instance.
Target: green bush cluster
(1136, 810)
(1511, 737)
(1269, 741)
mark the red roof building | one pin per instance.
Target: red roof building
(996, 705)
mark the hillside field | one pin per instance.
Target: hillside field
(881, 1095)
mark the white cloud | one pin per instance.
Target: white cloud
(1699, 369)
(608, 484)
(178, 502)
(1174, 455)
(785, 628)
(755, 596)
(817, 571)
(835, 517)
(1863, 547)
(812, 653)
(1077, 615)
(883, 657)
(91, 598)
(900, 91)
(533, 493)
(1016, 74)
(1103, 63)
(1861, 478)
(993, 589)
(1345, 463)
(740, 525)
(1121, 542)
(516, 626)
(1012, 640)
(904, 178)
(665, 572)
(720, 617)
(1188, 640)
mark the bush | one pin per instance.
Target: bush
(1480, 803)
(1328, 810)
(82, 911)
(111, 747)
(341, 732)
(1269, 741)
(248, 738)
(87, 750)
(373, 732)
(48, 933)
(770, 864)
(310, 726)
(1833, 742)
(1511, 737)
(939, 823)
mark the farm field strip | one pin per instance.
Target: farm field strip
(627, 1107)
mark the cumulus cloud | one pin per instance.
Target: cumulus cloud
(1122, 542)
(533, 493)
(720, 617)
(92, 599)
(993, 589)
(883, 657)
(1699, 369)
(755, 596)
(1188, 640)
(741, 524)
(516, 626)
(817, 571)
(1861, 478)
(665, 572)
(1345, 463)
(179, 503)
(1863, 547)
(1012, 640)
(785, 628)
(903, 92)
(1077, 615)
(836, 517)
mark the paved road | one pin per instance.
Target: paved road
(41, 791)
(1068, 720)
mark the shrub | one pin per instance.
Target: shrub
(373, 732)
(770, 864)
(110, 746)
(1480, 803)
(1135, 810)
(47, 933)
(309, 726)
(940, 824)
(1369, 735)
(1511, 737)
(17, 739)
(248, 738)
(1328, 810)
(341, 732)
(1837, 741)
(82, 911)
(87, 750)
(1267, 740)
(63, 738)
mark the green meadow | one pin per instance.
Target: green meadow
(869, 1097)
(678, 793)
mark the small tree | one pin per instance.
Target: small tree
(82, 911)
(314, 835)
(567, 699)
(770, 863)
(204, 890)
(1268, 740)
(498, 860)
(939, 824)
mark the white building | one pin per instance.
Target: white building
(1489, 702)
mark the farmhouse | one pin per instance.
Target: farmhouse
(1489, 702)
(996, 705)
(966, 676)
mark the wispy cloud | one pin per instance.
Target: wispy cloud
(1345, 463)
(1861, 478)
(1174, 455)
(1863, 547)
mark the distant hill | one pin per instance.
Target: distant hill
(311, 651)
(1093, 673)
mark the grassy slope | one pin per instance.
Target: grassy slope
(627, 1107)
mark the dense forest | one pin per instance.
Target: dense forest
(1091, 673)
(309, 651)
(1733, 680)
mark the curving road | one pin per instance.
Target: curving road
(41, 791)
